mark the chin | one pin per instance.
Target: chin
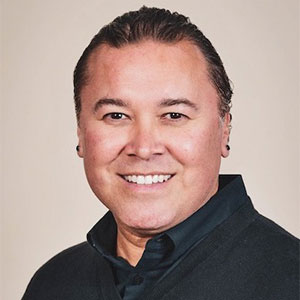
(146, 222)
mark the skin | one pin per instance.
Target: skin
(143, 84)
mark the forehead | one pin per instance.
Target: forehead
(182, 54)
(169, 67)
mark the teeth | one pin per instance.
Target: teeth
(148, 179)
(140, 179)
(161, 178)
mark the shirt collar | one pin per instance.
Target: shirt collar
(103, 235)
(230, 196)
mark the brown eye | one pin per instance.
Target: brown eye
(174, 116)
(115, 116)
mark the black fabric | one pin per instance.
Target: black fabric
(245, 257)
(165, 251)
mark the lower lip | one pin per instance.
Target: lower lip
(146, 187)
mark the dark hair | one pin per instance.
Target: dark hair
(159, 25)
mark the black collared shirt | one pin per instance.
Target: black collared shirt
(166, 250)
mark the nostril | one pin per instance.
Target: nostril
(144, 143)
(145, 155)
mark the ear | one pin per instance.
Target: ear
(80, 142)
(226, 128)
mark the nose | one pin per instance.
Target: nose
(145, 141)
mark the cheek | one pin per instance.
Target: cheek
(100, 149)
(101, 146)
(200, 156)
(197, 146)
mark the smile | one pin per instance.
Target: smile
(146, 179)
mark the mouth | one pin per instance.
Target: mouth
(147, 179)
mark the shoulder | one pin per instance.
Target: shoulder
(269, 236)
(251, 232)
(265, 243)
(267, 256)
(256, 237)
(69, 260)
(65, 274)
(259, 258)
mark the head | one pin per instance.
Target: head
(158, 25)
(152, 101)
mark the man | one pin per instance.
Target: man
(153, 109)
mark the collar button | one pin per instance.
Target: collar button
(137, 279)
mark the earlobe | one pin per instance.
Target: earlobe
(225, 151)
(79, 148)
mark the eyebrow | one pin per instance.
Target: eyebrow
(164, 103)
(109, 101)
(171, 102)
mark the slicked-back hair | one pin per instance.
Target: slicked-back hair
(158, 25)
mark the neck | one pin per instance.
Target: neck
(130, 246)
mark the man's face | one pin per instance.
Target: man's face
(150, 133)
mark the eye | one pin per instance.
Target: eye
(174, 116)
(115, 116)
